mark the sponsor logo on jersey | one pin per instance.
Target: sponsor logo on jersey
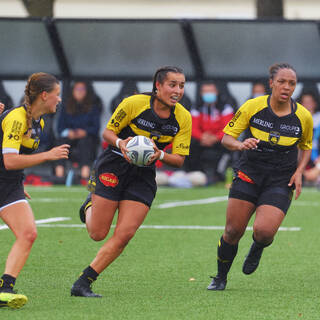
(183, 146)
(170, 127)
(234, 119)
(16, 127)
(244, 177)
(114, 123)
(109, 179)
(274, 137)
(263, 123)
(290, 129)
(146, 123)
(120, 115)
(15, 137)
(155, 135)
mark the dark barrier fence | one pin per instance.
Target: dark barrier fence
(112, 50)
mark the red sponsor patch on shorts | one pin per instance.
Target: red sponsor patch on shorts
(109, 179)
(244, 177)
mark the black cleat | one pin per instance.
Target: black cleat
(82, 289)
(87, 204)
(217, 284)
(252, 259)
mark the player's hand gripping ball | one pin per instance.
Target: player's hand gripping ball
(140, 150)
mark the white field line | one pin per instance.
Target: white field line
(191, 202)
(55, 200)
(306, 203)
(41, 221)
(163, 227)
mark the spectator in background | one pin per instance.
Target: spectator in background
(129, 88)
(214, 112)
(310, 100)
(79, 125)
(5, 98)
(258, 89)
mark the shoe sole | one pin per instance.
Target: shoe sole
(13, 301)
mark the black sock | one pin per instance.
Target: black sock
(226, 254)
(89, 275)
(260, 245)
(7, 282)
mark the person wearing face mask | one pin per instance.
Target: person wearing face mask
(258, 89)
(208, 121)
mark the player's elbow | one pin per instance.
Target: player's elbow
(9, 164)
(178, 161)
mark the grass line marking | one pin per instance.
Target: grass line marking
(41, 221)
(163, 227)
(191, 202)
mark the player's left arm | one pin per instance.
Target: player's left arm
(305, 146)
(296, 179)
(180, 144)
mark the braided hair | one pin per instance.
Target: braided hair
(36, 84)
(274, 69)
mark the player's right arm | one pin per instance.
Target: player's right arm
(235, 127)
(233, 144)
(16, 161)
(14, 127)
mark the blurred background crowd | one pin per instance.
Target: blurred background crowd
(104, 51)
(79, 123)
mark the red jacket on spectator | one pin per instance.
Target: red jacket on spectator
(210, 119)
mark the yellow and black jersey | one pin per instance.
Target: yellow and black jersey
(13, 139)
(279, 136)
(135, 116)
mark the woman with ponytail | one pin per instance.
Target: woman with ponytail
(19, 135)
(116, 184)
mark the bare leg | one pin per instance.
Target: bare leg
(98, 219)
(130, 217)
(85, 172)
(20, 219)
(59, 170)
(267, 222)
(239, 213)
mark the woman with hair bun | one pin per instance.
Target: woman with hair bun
(19, 135)
(131, 189)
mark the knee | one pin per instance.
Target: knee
(232, 234)
(123, 237)
(263, 235)
(98, 235)
(29, 236)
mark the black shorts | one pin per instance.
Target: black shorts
(262, 188)
(115, 179)
(11, 191)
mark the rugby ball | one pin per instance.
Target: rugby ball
(140, 150)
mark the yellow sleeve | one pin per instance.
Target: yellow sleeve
(307, 131)
(239, 122)
(121, 117)
(13, 127)
(181, 141)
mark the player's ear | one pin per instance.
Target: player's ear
(44, 95)
(158, 85)
(270, 83)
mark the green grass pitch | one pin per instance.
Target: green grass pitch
(163, 273)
